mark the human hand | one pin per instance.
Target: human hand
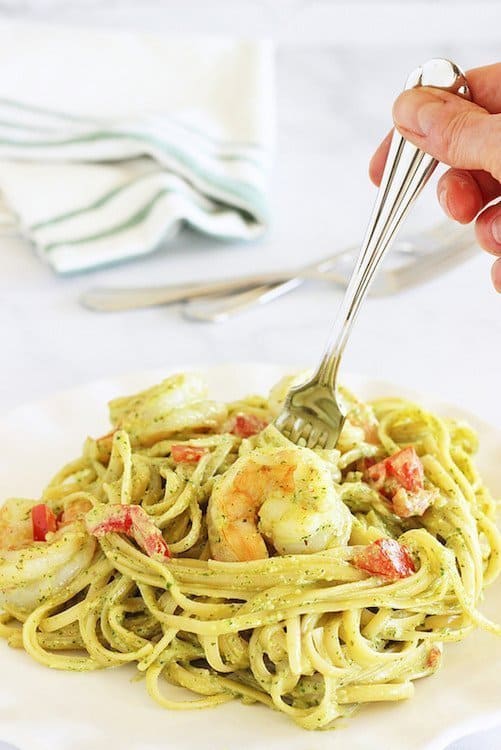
(467, 137)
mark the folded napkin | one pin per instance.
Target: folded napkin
(110, 141)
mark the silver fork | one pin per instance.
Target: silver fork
(311, 414)
(416, 257)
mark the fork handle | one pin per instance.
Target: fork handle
(406, 172)
(108, 299)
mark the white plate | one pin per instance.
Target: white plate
(41, 709)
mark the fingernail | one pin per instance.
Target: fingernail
(496, 228)
(416, 110)
(442, 199)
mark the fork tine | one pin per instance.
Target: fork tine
(322, 440)
(303, 434)
(284, 422)
(313, 438)
(297, 431)
(330, 442)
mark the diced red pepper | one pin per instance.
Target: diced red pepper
(146, 534)
(131, 520)
(405, 467)
(400, 479)
(187, 454)
(385, 557)
(43, 521)
(246, 425)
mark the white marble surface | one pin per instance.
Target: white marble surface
(338, 69)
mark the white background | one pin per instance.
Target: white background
(338, 68)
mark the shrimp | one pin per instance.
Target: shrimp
(33, 571)
(177, 404)
(278, 496)
(16, 530)
(74, 511)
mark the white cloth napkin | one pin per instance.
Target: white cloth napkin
(109, 141)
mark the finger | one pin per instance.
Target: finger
(459, 195)
(485, 91)
(485, 88)
(488, 229)
(463, 194)
(451, 129)
(496, 275)
(376, 164)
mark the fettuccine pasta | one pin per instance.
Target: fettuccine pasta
(197, 542)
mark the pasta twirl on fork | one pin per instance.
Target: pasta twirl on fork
(197, 542)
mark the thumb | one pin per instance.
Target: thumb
(453, 130)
